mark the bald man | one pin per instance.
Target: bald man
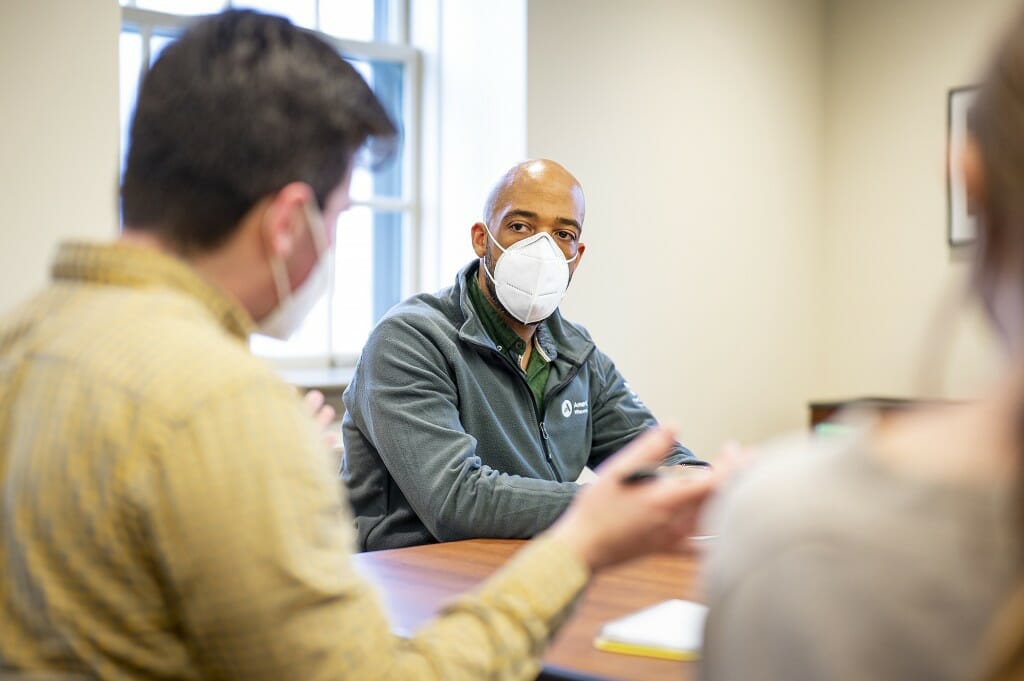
(473, 411)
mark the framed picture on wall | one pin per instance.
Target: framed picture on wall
(962, 223)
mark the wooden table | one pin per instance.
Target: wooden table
(417, 581)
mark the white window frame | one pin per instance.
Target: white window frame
(151, 22)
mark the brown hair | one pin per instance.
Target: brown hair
(240, 106)
(997, 126)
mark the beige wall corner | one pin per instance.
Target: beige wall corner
(696, 130)
(889, 275)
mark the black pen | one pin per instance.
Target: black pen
(683, 470)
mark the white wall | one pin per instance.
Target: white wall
(696, 131)
(58, 132)
(890, 65)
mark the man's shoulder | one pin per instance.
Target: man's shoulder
(156, 343)
(424, 313)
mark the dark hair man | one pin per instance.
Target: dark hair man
(169, 509)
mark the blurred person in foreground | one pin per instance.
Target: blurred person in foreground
(169, 507)
(888, 554)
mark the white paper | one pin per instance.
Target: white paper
(672, 625)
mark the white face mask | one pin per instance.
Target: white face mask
(294, 306)
(531, 277)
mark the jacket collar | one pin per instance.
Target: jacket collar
(122, 264)
(556, 336)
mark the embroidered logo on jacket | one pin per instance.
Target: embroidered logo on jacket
(570, 408)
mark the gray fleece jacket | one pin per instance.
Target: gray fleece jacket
(443, 438)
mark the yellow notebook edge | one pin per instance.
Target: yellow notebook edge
(645, 651)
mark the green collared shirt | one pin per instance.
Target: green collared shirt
(510, 344)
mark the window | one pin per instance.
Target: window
(376, 236)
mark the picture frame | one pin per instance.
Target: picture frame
(962, 224)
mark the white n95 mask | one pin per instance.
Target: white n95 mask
(531, 277)
(294, 306)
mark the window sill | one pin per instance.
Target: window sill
(334, 379)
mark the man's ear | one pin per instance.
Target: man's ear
(974, 175)
(478, 234)
(579, 252)
(283, 218)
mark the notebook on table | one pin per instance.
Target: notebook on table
(671, 630)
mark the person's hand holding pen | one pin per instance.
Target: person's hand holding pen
(732, 458)
(612, 521)
(688, 471)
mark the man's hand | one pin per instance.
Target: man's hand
(611, 522)
(323, 414)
